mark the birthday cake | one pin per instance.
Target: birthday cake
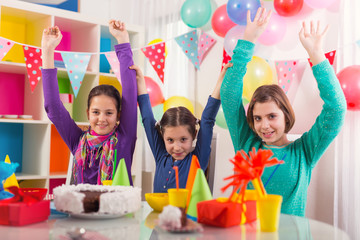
(87, 198)
(173, 218)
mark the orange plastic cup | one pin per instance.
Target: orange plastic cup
(178, 197)
(269, 209)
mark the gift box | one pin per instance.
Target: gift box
(225, 213)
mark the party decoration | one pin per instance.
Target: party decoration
(76, 65)
(349, 78)
(114, 63)
(329, 55)
(158, 111)
(196, 13)
(189, 44)
(156, 55)
(121, 177)
(232, 37)
(237, 10)
(275, 30)
(158, 40)
(221, 22)
(10, 181)
(154, 91)
(176, 101)
(286, 71)
(6, 170)
(220, 119)
(358, 43)
(205, 44)
(194, 166)
(5, 46)
(207, 27)
(258, 73)
(33, 65)
(319, 3)
(226, 59)
(288, 8)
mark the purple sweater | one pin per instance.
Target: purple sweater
(71, 133)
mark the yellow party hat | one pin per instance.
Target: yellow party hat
(10, 181)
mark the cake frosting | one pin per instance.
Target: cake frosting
(101, 199)
(172, 217)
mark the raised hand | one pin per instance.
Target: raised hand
(118, 30)
(141, 86)
(255, 28)
(51, 38)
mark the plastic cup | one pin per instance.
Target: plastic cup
(107, 182)
(251, 195)
(178, 197)
(269, 209)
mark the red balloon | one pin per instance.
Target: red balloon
(221, 22)
(155, 94)
(349, 79)
(288, 8)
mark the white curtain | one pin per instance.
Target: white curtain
(347, 151)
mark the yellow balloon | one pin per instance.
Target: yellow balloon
(258, 73)
(111, 81)
(158, 40)
(177, 101)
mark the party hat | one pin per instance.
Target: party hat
(194, 166)
(10, 181)
(200, 192)
(121, 176)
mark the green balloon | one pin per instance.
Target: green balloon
(158, 111)
(196, 13)
(220, 119)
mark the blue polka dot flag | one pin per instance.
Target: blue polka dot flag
(189, 44)
(76, 65)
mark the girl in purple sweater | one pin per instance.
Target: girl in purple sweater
(113, 120)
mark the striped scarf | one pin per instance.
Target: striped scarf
(90, 147)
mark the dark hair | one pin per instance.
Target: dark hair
(274, 93)
(107, 90)
(178, 116)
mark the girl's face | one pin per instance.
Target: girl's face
(178, 141)
(269, 123)
(102, 114)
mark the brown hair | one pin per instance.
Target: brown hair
(274, 93)
(178, 116)
(107, 90)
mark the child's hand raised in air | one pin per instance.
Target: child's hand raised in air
(312, 41)
(118, 30)
(255, 28)
(141, 86)
(50, 39)
(216, 92)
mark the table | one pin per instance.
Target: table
(140, 226)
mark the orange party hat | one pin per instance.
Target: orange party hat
(195, 165)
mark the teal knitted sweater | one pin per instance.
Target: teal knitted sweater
(291, 179)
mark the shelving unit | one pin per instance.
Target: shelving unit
(35, 144)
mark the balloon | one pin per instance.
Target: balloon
(177, 101)
(237, 10)
(207, 26)
(288, 8)
(158, 40)
(221, 22)
(258, 73)
(113, 81)
(319, 3)
(196, 13)
(158, 111)
(220, 119)
(275, 30)
(155, 94)
(349, 78)
(232, 37)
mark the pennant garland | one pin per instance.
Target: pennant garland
(286, 71)
(33, 65)
(226, 59)
(114, 63)
(5, 46)
(205, 43)
(76, 65)
(330, 56)
(156, 55)
(189, 44)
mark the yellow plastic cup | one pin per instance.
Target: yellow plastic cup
(178, 198)
(107, 182)
(269, 209)
(251, 195)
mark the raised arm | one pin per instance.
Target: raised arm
(51, 38)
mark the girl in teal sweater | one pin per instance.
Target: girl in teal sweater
(270, 116)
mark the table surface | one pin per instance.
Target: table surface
(140, 225)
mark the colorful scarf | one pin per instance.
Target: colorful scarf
(90, 147)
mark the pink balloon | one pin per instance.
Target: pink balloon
(221, 22)
(319, 3)
(232, 37)
(349, 79)
(275, 31)
(155, 94)
(288, 8)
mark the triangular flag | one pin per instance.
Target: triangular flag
(10, 181)
(330, 56)
(226, 59)
(5, 46)
(6, 170)
(33, 65)
(114, 63)
(121, 177)
(156, 55)
(76, 65)
(189, 44)
(200, 192)
(205, 43)
(286, 71)
(194, 166)
(358, 42)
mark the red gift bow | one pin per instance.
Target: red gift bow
(20, 195)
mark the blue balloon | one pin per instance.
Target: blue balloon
(196, 13)
(237, 10)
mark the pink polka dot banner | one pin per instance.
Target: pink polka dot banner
(330, 56)
(114, 63)
(33, 65)
(76, 65)
(226, 59)
(205, 43)
(156, 55)
(189, 44)
(5, 46)
(286, 71)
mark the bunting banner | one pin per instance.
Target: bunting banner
(189, 44)
(156, 55)
(33, 64)
(76, 65)
(330, 56)
(226, 59)
(286, 71)
(205, 43)
(114, 63)
(5, 46)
